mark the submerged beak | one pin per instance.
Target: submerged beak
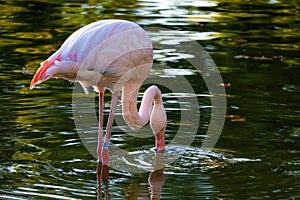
(41, 74)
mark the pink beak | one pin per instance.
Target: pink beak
(41, 75)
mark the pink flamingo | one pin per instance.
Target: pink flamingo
(114, 54)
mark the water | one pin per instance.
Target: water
(255, 45)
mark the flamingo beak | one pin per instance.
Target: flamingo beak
(41, 74)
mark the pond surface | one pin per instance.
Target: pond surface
(255, 45)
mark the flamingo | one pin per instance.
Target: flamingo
(113, 54)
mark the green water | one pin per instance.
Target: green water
(255, 45)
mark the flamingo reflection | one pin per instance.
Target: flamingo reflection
(156, 181)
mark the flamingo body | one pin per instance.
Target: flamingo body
(109, 47)
(114, 54)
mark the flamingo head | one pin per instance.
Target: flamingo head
(42, 74)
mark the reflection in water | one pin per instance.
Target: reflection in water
(102, 181)
(156, 181)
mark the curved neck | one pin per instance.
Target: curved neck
(134, 118)
(155, 113)
(129, 107)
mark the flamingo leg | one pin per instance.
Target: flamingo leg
(100, 131)
(114, 102)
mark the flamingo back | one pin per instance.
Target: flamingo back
(105, 53)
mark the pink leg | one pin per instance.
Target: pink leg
(105, 153)
(100, 131)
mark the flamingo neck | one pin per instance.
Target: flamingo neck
(151, 109)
